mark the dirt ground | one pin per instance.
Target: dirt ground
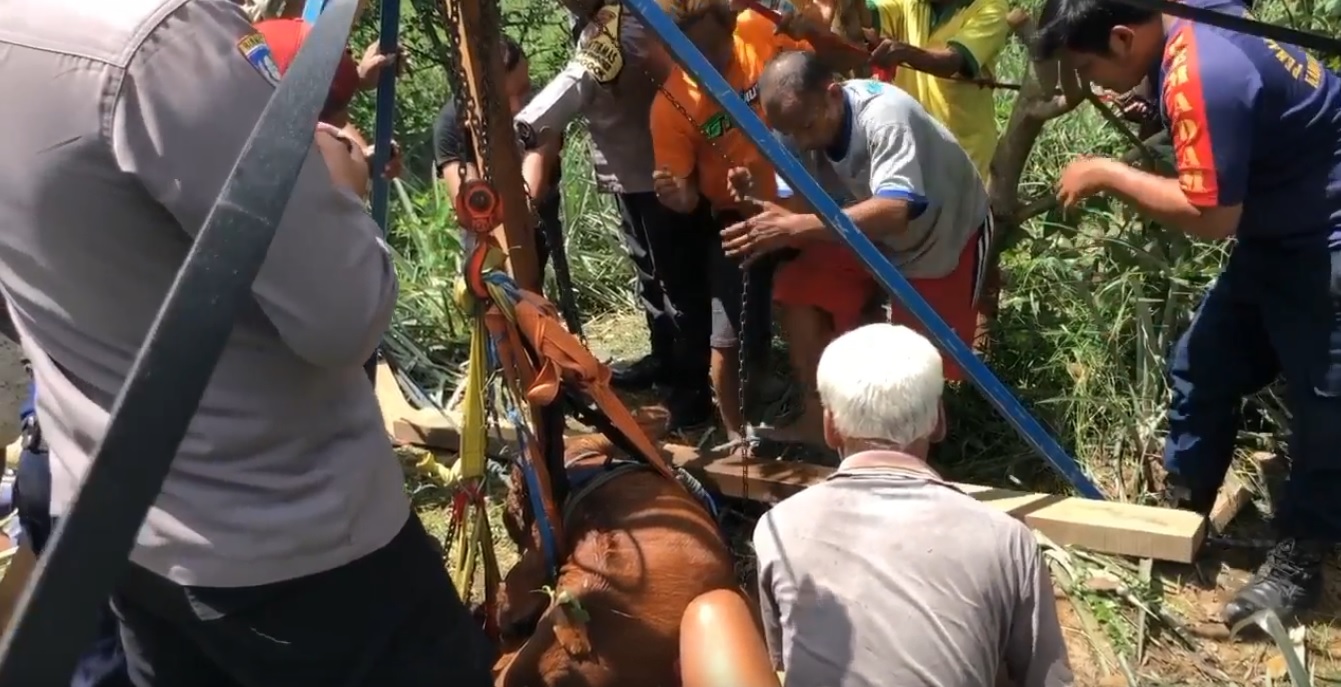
(1121, 628)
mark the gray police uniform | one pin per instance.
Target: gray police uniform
(131, 117)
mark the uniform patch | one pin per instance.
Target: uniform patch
(600, 51)
(257, 53)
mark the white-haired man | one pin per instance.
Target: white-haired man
(885, 574)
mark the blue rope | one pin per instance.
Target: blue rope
(548, 544)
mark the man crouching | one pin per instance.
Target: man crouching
(907, 184)
(885, 573)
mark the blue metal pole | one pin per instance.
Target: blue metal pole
(386, 112)
(791, 170)
(312, 10)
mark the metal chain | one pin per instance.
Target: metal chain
(457, 79)
(467, 116)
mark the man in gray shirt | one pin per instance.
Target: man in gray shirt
(885, 574)
(616, 71)
(282, 550)
(907, 184)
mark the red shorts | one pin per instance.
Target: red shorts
(829, 276)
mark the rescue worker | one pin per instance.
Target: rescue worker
(616, 71)
(282, 549)
(454, 151)
(959, 597)
(696, 146)
(1255, 126)
(905, 183)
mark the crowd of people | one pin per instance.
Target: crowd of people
(282, 549)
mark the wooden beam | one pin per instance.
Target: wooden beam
(1101, 526)
(483, 63)
(390, 398)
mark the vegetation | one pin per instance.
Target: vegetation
(1091, 302)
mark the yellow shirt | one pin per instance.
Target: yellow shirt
(978, 30)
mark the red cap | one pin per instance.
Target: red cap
(286, 36)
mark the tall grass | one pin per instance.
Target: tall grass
(1092, 301)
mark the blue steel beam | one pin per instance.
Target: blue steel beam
(312, 10)
(837, 221)
(386, 112)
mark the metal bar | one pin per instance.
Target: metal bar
(91, 544)
(385, 123)
(312, 10)
(836, 220)
(1326, 45)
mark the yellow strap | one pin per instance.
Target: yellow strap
(474, 433)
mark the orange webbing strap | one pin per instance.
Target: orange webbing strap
(564, 358)
(519, 374)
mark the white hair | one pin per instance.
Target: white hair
(882, 382)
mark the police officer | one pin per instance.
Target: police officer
(282, 549)
(615, 73)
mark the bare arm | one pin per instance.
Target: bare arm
(1163, 200)
(327, 284)
(876, 217)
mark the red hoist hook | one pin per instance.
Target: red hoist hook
(477, 207)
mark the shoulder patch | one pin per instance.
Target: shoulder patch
(600, 51)
(257, 53)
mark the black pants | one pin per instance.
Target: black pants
(1274, 312)
(649, 228)
(389, 619)
(705, 288)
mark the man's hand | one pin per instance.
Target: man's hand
(802, 25)
(674, 192)
(1081, 179)
(344, 158)
(394, 166)
(374, 60)
(772, 229)
(740, 182)
(889, 54)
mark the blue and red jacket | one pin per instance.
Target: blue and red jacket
(1256, 123)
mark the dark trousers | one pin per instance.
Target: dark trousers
(389, 619)
(650, 230)
(705, 287)
(1274, 311)
(103, 664)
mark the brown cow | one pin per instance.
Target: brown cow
(639, 550)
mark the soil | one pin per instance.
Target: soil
(1099, 625)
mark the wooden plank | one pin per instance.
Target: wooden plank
(1101, 526)
(390, 398)
(483, 63)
